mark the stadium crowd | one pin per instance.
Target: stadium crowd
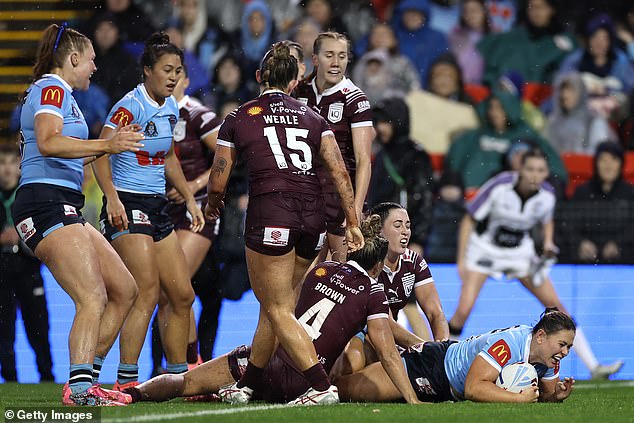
(443, 98)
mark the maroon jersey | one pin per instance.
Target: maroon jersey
(279, 139)
(337, 301)
(195, 122)
(412, 272)
(344, 107)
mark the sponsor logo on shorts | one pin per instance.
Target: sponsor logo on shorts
(425, 386)
(53, 96)
(26, 229)
(500, 352)
(102, 226)
(322, 240)
(69, 210)
(335, 112)
(277, 237)
(140, 218)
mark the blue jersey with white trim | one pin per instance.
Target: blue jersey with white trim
(143, 171)
(51, 95)
(499, 348)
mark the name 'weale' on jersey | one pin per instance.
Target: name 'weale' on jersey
(279, 139)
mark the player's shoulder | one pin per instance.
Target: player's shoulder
(49, 89)
(409, 256)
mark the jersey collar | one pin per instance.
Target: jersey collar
(327, 91)
(149, 99)
(60, 79)
(183, 101)
(272, 91)
(359, 268)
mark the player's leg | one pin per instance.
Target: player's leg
(351, 360)
(371, 384)
(175, 281)
(138, 253)
(471, 286)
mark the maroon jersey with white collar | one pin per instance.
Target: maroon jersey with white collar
(412, 272)
(344, 107)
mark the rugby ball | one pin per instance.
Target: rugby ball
(516, 377)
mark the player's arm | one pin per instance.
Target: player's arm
(224, 160)
(402, 336)
(466, 227)
(555, 390)
(331, 157)
(429, 301)
(51, 142)
(201, 180)
(174, 174)
(362, 145)
(480, 385)
(381, 335)
(549, 234)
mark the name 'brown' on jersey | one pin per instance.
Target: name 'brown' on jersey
(195, 122)
(344, 106)
(336, 302)
(279, 139)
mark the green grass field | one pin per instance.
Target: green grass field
(591, 402)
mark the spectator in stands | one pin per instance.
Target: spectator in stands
(201, 35)
(473, 25)
(445, 15)
(383, 71)
(322, 12)
(199, 84)
(572, 126)
(255, 35)
(445, 79)
(20, 281)
(605, 68)
(448, 211)
(502, 14)
(305, 33)
(415, 38)
(132, 23)
(478, 153)
(95, 105)
(402, 171)
(117, 71)
(513, 82)
(625, 30)
(535, 48)
(229, 83)
(604, 210)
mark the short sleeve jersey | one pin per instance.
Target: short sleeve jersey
(143, 171)
(499, 348)
(344, 107)
(498, 202)
(279, 139)
(51, 95)
(195, 122)
(412, 272)
(336, 302)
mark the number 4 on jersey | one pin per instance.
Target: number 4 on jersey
(318, 313)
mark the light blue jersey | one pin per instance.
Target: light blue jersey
(144, 171)
(52, 95)
(499, 348)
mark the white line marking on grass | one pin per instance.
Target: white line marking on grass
(173, 416)
(613, 384)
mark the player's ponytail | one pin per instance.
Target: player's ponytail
(56, 44)
(156, 46)
(552, 320)
(278, 67)
(375, 248)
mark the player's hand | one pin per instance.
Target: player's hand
(530, 394)
(198, 220)
(125, 138)
(354, 238)
(212, 211)
(116, 214)
(563, 389)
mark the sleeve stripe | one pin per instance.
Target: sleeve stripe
(109, 125)
(50, 112)
(326, 133)
(225, 143)
(378, 316)
(490, 360)
(550, 377)
(216, 129)
(424, 282)
(360, 124)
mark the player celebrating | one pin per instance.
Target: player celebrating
(279, 138)
(494, 239)
(133, 215)
(338, 299)
(346, 108)
(47, 205)
(467, 370)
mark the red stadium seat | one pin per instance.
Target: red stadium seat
(537, 93)
(628, 167)
(476, 92)
(580, 167)
(437, 162)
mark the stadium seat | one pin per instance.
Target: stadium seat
(537, 93)
(580, 168)
(628, 167)
(476, 92)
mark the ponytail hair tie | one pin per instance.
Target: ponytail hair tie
(60, 31)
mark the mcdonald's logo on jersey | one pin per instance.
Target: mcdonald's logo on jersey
(500, 352)
(122, 115)
(53, 95)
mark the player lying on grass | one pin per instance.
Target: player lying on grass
(467, 370)
(337, 300)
